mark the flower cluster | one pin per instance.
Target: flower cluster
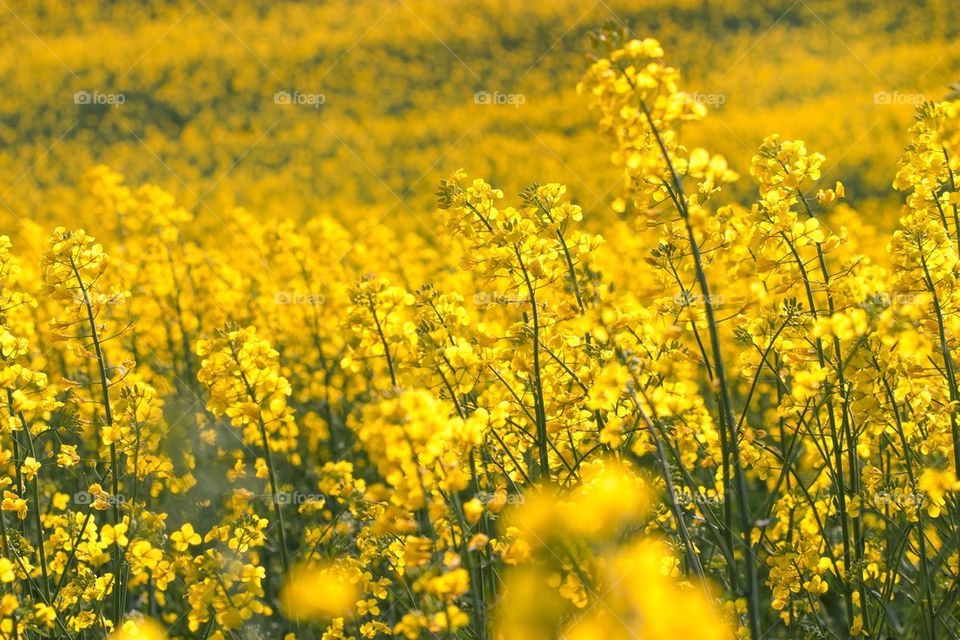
(722, 418)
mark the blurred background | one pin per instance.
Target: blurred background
(357, 108)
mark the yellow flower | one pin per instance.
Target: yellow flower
(7, 573)
(185, 537)
(816, 586)
(473, 510)
(67, 456)
(45, 615)
(142, 629)
(935, 485)
(30, 468)
(110, 534)
(318, 592)
(13, 502)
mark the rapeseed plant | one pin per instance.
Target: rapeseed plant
(732, 421)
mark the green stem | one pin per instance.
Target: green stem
(108, 420)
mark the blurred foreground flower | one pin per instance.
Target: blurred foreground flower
(318, 592)
(584, 572)
(141, 629)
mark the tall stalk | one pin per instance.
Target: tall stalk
(726, 412)
(271, 469)
(108, 420)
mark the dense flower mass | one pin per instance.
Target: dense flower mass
(738, 420)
